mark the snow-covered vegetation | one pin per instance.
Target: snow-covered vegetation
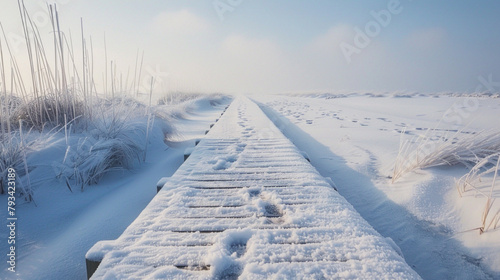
(101, 131)
(57, 231)
(438, 149)
(482, 181)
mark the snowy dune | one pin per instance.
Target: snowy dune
(54, 235)
(355, 141)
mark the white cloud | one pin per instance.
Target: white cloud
(182, 22)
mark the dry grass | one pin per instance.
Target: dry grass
(15, 148)
(432, 150)
(480, 152)
(47, 112)
(177, 98)
(481, 180)
(60, 93)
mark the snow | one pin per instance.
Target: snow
(354, 139)
(54, 236)
(247, 204)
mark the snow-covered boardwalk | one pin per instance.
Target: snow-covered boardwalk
(247, 205)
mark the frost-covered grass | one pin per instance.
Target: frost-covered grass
(48, 111)
(15, 148)
(54, 92)
(431, 150)
(184, 104)
(482, 180)
(177, 98)
(479, 152)
(64, 225)
(12, 155)
(114, 137)
(103, 132)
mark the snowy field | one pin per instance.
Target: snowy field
(355, 140)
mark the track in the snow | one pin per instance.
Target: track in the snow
(246, 204)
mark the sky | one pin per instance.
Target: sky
(283, 46)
